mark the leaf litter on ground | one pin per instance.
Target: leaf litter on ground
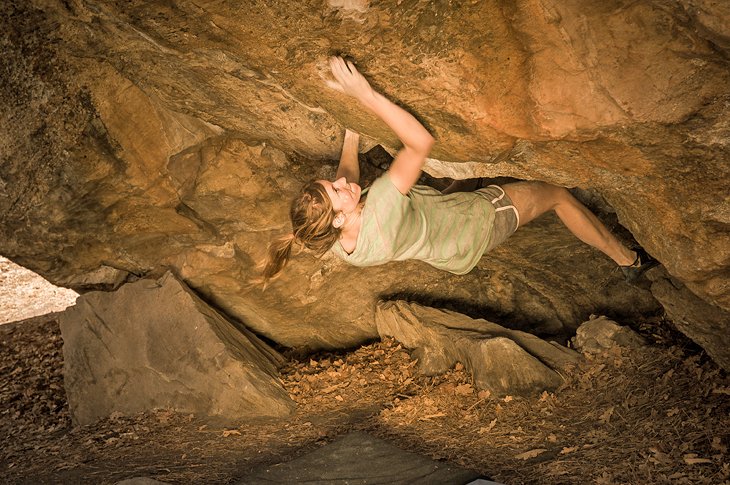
(653, 415)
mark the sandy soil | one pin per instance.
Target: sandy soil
(24, 294)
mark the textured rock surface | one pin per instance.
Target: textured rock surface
(703, 322)
(358, 458)
(600, 333)
(154, 344)
(142, 136)
(501, 360)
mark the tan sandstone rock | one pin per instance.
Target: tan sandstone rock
(600, 334)
(155, 344)
(146, 136)
(501, 360)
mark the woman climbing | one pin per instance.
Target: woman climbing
(399, 220)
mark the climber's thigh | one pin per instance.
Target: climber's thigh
(533, 199)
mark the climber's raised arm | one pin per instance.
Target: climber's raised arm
(417, 141)
(349, 166)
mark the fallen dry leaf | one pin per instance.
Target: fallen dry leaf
(464, 390)
(692, 459)
(606, 416)
(489, 427)
(484, 394)
(229, 432)
(431, 416)
(717, 445)
(659, 457)
(567, 450)
(530, 454)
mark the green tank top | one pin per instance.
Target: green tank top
(449, 232)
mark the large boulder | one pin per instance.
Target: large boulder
(155, 344)
(500, 360)
(146, 136)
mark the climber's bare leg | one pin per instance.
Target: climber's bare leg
(535, 198)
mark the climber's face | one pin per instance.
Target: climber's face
(343, 195)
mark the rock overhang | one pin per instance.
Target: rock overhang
(172, 138)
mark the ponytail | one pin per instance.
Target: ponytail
(311, 216)
(278, 254)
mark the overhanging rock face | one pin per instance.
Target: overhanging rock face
(154, 344)
(148, 136)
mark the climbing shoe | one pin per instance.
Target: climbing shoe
(641, 265)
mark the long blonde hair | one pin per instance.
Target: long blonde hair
(311, 215)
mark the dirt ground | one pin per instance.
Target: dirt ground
(654, 415)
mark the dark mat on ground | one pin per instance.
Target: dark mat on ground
(358, 458)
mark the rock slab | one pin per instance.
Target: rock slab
(358, 458)
(155, 344)
(501, 360)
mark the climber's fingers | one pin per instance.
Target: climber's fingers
(348, 79)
